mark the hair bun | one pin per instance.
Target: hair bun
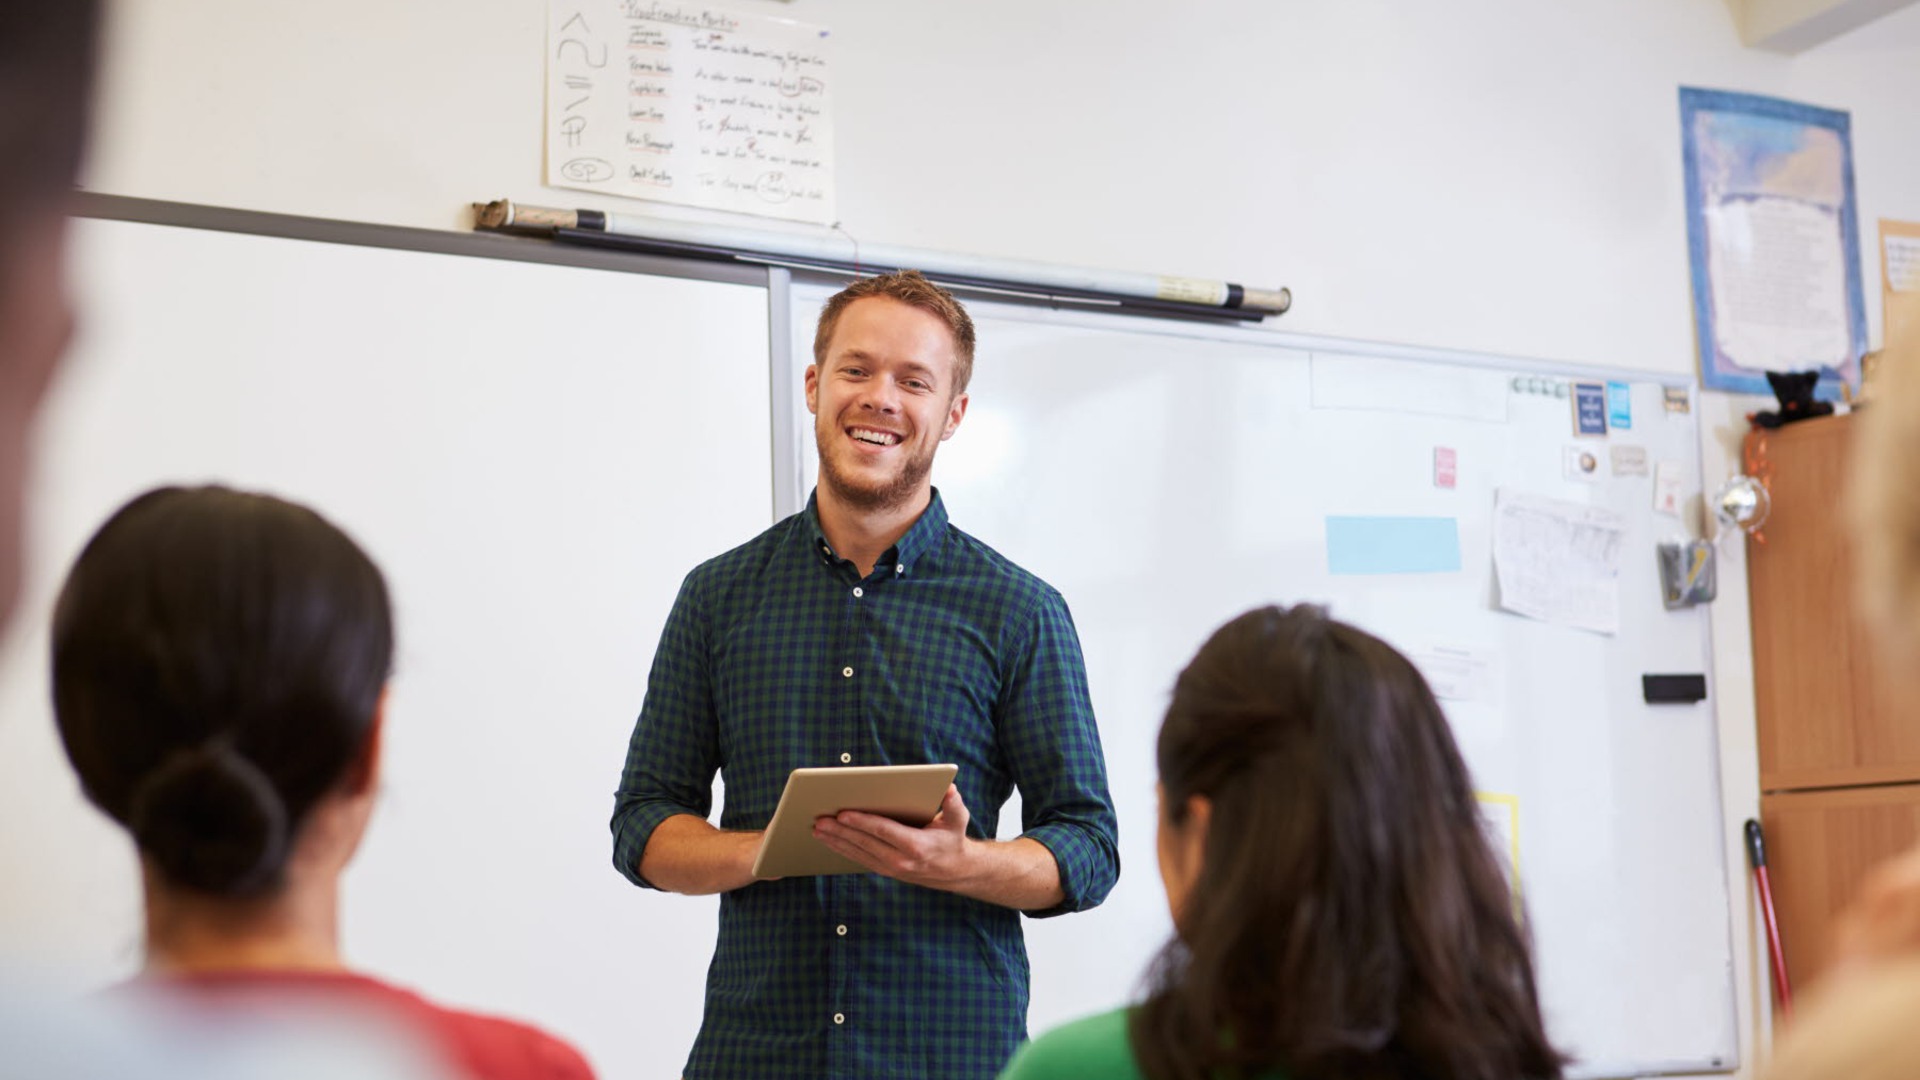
(211, 821)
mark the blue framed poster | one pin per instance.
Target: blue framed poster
(1773, 239)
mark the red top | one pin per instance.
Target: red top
(480, 1047)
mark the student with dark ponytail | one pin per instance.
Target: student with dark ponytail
(1337, 910)
(220, 661)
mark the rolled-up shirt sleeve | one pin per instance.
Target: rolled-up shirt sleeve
(674, 751)
(1046, 727)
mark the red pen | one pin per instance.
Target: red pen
(1757, 854)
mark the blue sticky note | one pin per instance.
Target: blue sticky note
(1392, 545)
(1589, 408)
(1619, 406)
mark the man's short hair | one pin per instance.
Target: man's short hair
(908, 287)
(48, 50)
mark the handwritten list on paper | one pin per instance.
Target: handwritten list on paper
(1558, 562)
(1903, 259)
(690, 105)
(1899, 277)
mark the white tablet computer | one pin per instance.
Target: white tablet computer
(909, 794)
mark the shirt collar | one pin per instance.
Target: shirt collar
(923, 537)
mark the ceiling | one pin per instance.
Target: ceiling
(1795, 26)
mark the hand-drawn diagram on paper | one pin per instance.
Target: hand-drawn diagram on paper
(690, 104)
(1558, 562)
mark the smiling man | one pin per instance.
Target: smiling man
(866, 630)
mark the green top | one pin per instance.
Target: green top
(1095, 1048)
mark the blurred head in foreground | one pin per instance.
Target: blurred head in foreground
(47, 59)
(1857, 1023)
(1884, 499)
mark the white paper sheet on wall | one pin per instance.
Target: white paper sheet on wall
(1455, 672)
(688, 104)
(1558, 562)
(1378, 384)
(1903, 260)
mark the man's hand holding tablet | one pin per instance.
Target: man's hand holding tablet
(860, 819)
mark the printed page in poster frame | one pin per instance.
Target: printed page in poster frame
(1774, 242)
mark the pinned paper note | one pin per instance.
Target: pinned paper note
(1628, 460)
(1901, 242)
(1445, 467)
(1500, 817)
(1899, 275)
(1455, 673)
(1580, 463)
(1392, 545)
(1589, 408)
(688, 104)
(1667, 488)
(1677, 400)
(1377, 384)
(1619, 406)
(1558, 562)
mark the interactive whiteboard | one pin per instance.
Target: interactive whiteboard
(1166, 476)
(537, 445)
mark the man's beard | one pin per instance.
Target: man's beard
(888, 494)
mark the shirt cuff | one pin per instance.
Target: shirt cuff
(632, 827)
(1088, 866)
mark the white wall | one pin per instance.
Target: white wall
(1493, 175)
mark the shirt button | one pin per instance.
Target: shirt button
(847, 671)
(841, 929)
(845, 758)
(839, 1018)
(900, 569)
(857, 594)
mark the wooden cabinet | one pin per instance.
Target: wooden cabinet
(1839, 755)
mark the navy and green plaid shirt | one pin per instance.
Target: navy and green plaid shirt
(777, 655)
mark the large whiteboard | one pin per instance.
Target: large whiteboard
(1167, 476)
(535, 454)
(538, 453)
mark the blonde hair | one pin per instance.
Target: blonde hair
(1884, 501)
(908, 287)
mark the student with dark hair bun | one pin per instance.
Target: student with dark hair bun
(1337, 910)
(220, 661)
